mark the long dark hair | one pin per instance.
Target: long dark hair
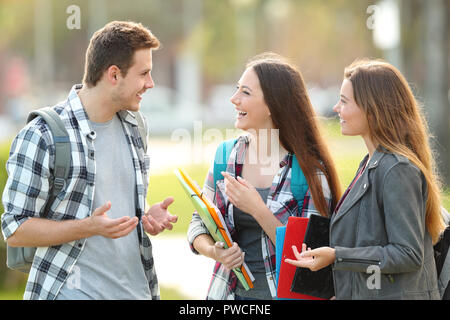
(293, 115)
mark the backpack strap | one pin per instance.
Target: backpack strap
(442, 259)
(142, 127)
(220, 161)
(299, 185)
(63, 155)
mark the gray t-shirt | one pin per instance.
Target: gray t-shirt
(248, 237)
(107, 268)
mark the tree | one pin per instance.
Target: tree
(436, 81)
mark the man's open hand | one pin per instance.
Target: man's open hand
(158, 218)
(105, 226)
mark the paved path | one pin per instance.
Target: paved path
(178, 268)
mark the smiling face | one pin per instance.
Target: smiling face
(252, 111)
(130, 88)
(352, 118)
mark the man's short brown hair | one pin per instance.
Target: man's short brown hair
(115, 44)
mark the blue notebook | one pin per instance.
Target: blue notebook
(279, 238)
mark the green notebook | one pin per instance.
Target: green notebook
(212, 227)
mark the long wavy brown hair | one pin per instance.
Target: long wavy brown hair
(397, 123)
(293, 115)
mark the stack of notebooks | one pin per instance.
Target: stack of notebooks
(213, 220)
(302, 283)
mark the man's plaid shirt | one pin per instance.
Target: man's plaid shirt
(280, 201)
(30, 168)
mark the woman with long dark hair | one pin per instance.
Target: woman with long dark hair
(255, 197)
(384, 227)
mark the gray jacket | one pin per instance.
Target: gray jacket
(383, 250)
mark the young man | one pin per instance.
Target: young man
(94, 231)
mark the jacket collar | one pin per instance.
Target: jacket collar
(376, 157)
(362, 184)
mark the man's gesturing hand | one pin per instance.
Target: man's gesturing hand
(158, 218)
(102, 225)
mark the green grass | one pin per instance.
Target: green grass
(171, 294)
(14, 292)
(166, 294)
(164, 185)
(12, 295)
(347, 153)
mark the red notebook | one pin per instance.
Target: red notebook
(295, 232)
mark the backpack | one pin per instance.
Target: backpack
(299, 186)
(442, 259)
(21, 258)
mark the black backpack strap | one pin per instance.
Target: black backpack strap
(62, 151)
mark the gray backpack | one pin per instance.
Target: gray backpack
(21, 258)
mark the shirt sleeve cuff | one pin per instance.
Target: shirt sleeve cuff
(196, 228)
(10, 223)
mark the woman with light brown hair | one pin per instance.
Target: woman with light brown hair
(383, 228)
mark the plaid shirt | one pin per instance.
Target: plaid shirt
(280, 201)
(30, 168)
